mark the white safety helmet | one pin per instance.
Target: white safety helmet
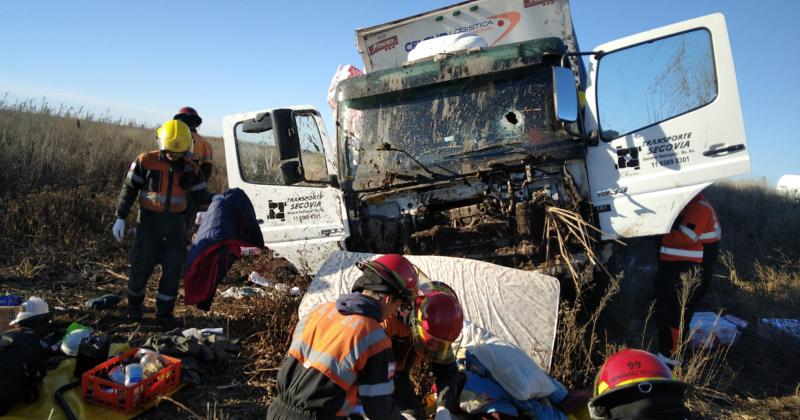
(32, 307)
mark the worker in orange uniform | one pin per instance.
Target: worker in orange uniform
(340, 356)
(424, 331)
(691, 246)
(162, 180)
(202, 155)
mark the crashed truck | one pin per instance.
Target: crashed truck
(495, 153)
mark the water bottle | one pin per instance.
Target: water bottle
(133, 374)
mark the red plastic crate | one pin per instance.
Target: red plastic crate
(107, 393)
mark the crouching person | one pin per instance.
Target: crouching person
(341, 356)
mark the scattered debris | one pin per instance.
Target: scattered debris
(258, 279)
(241, 292)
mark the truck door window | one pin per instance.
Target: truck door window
(648, 83)
(312, 154)
(259, 161)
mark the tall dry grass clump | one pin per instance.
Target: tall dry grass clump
(62, 171)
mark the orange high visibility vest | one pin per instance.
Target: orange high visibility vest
(161, 189)
(338, 346)
(696, 225)
(201, 149)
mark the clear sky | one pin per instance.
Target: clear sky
(146, 59)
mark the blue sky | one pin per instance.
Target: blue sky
(146, 59)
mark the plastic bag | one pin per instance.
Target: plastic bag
(345, 71)
(708, 329)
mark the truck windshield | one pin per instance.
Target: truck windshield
(446, 129)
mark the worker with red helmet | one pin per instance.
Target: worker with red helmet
(426, 330)
(202, 155)
(341, 356)
(635, 384)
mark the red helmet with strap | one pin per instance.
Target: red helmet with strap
(632, 374)
(397, 271)
(189, 116)
(438, 318)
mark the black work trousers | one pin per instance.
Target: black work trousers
(668, 288)
(159, 240)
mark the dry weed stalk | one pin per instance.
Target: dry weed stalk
(565, 226)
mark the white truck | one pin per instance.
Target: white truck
(461, 152)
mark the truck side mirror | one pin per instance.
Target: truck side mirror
(261, 123)
(565, 95)
(285, 134)
(291, 172)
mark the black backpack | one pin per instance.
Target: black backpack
(21, 368)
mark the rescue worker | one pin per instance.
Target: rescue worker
(341, 356)
(161, 180)
(635, 384)
(423, 332)
(691, 246)
(202, 154)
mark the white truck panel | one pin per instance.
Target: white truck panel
(644, 199)
(499, 22)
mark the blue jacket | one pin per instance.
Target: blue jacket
(228, 225)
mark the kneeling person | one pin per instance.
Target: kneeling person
(340, 355)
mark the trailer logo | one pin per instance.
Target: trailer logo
(276, 210)
(503, 21)
(531, 3)
(383, 45)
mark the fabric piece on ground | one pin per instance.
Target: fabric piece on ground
(200, 356)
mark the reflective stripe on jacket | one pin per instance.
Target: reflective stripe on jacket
(164, 185)
(339, 346)
(696, 225)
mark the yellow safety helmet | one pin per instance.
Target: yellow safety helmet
(174, 136)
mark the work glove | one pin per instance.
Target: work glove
(119, 230)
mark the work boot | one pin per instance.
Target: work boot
(164, 315)
(134, 311)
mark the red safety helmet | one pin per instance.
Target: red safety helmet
(631, 375)
(397, 271)
(189, 116)
(438, 318)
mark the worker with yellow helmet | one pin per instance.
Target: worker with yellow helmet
(162, 180)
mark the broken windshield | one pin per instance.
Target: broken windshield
(459, 127)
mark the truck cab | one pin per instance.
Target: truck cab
(467, 153)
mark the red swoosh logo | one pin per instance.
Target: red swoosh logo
(513, 18)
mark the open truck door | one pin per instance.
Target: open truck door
(664, 106)
(284, 162)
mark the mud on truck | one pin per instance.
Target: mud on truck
(478, 132)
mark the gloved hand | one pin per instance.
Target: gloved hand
(119, 229)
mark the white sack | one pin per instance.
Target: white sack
(521, 307)
(708, 329)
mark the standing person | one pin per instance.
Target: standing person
(202, 155)
(426, 332)
(162, 180)
(340, 355)
(691, 246)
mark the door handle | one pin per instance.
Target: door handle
(260, 221)
(734, 148)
